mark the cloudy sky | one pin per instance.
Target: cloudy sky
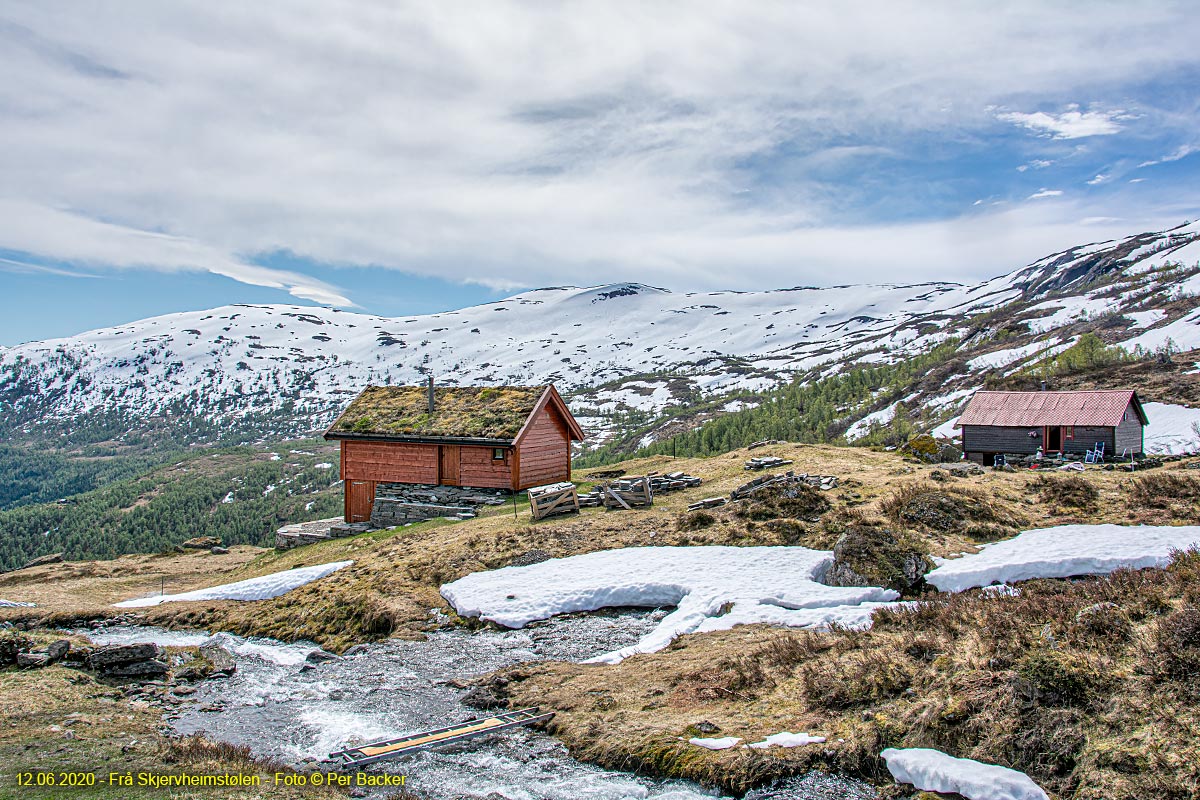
(406, 157)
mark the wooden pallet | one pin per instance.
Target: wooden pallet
(628, 493)
(556, 498)
(411, 743)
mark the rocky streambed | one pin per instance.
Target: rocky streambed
(296, 703)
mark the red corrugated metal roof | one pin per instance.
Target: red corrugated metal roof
(1020, 409)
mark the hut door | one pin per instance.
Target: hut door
(448, 465)
(1053, 439)
(360, 498)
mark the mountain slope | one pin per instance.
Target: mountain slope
(621, 353)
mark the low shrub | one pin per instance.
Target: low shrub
(695, 521)
(1069, 491)
(790, 501)
(1161, 489)
(858, 679)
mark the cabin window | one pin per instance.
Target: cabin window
(498, 453)
(1069, 432)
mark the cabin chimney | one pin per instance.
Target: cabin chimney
(431, 401)
(430, 390)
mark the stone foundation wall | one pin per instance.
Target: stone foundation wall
(388, 513)
(441, 495)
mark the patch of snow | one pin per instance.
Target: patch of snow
(1000, 590)
(711, 587)
(16, 604)
(1172, 428)
(934, 771)
(951, 397)
(1064, 551)
(1069, 309)
(1184, 333)
(270, 488)
(323, 465)
(275, 456)
(861, 428)
(1002, 358)
(947, 430)
(724, 743)
(1144, 319)
(227, 498)
(263, 587)
(786, 739)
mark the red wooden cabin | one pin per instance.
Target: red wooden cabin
(503, 437)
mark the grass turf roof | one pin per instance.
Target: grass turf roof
(476, 412)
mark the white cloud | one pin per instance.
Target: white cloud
(1183, 151)
(1043, 192)
(65, 236)
(1072, 124)
(1037, 163)
(1099, 179)
(519, 143)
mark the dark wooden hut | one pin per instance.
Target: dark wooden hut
(502, 437)
(1054, 422)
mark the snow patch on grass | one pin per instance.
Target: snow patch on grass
(263, 587)
(934, 771)
(1064, 551)
(711, 587)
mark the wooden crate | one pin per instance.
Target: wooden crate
(628, 493)
(553, 499)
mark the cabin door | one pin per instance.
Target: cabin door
(448, 465)
(360, 498)
(1053, 439)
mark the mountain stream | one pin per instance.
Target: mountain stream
(284, 707)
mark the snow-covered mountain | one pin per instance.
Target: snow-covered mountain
(609, 348)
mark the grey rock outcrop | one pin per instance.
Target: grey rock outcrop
(875, 557)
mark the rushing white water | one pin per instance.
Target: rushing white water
(284, 707)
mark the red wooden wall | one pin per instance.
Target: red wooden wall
(476, 467)
(545, 451)
(399, 462)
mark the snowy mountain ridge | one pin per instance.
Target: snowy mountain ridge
(609, 348)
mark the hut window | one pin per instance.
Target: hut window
(498, 453)
(1069, 432)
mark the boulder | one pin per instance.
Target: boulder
(202, 543)
(138, 669)
(964, 469)
(57, 651)
(924, 447)
(52, 558)
(116, 655)
(949, 454)
(219, 551)
(483, 698)
(875, 557)
(10, 645)
(221, 659)
(28, 660)
(320, 657)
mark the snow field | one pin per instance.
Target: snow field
(263, 587)
(712, 588)
(1062, 552)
